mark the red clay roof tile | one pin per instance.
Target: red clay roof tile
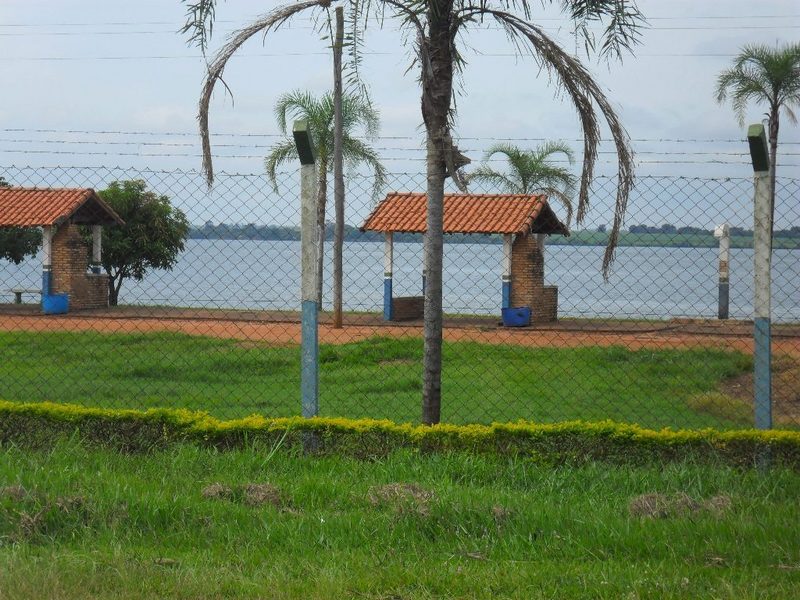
(38, 207)
(463, 213)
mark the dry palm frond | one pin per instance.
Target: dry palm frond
(584, 92)
(264, 24)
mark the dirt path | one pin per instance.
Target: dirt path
(631, 335)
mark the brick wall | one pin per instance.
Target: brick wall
(406, 308)
(527, 280)
(70, 261)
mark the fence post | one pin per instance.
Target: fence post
(762, 250)
(723, 233)
(309, 351)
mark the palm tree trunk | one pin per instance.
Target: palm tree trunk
(338, 176)
(774, 125)
(322, 198)
(437, 89)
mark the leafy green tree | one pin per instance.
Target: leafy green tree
(152, 237)
(18, 242)
(438, 29)
(357, 113)
(766, 76)
(531, 172)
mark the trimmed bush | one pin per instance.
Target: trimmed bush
(39, 424)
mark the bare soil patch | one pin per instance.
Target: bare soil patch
(660, 506)
(402, 497)
(15, 492)
(785, 389)
(257, 494)
(217, 491)
(250, 494)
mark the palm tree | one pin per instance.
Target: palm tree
(437, 29)
(769, 76)
(318, 112)
(531, 172)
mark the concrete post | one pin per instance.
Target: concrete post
(309, 351)
(97, 248)
(762, 251)
(508, 241)
(722, 232)
(388, 259)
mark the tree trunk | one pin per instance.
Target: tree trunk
(774, 125)
(437, 88)
(113, 289)
(338, 175)
(322, 198)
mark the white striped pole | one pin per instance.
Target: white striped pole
(97, 247)
(508, 241)
(47, 261)
(722, 232)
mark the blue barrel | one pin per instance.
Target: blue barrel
(518, 316)
(55, 304)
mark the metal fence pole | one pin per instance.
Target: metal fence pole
(309, 369)
(762, 251)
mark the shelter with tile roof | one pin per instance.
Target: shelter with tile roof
(522, 220)
(67, 278)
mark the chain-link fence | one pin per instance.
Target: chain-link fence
(219, 330)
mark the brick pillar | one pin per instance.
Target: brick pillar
(527, 280)
(70, 260)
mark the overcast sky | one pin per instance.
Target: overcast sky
(119, 66)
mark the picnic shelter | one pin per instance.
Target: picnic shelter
(524, 221)
(68, 278)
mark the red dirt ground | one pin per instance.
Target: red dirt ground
(284, 328)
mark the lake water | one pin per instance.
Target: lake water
(647, 282)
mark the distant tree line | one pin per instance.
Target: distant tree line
(252, 231)
(792, 232)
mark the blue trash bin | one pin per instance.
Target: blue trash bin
(55, 304)
(518, 316)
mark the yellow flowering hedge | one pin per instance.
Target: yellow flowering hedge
(39, 424)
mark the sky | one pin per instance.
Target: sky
(114, 83)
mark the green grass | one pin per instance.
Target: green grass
(378, 378)
(99, 524)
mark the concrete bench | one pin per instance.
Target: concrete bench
(19, 291)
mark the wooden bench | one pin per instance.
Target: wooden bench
(19, 291)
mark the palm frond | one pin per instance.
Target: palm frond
(354, 151)
(199, 21)
(500, 181)
(585, 94)
(216, 67)
(281, 153)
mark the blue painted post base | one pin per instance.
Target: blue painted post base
(387, 299)
(506, 293)
(763, 373)
(724, 299)
(309, 359)
(47, 277)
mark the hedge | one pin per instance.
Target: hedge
(36, 425)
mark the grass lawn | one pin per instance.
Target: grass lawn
(183, 523)
(378, 378)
